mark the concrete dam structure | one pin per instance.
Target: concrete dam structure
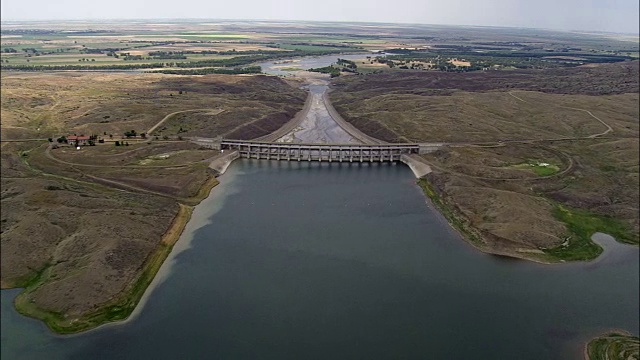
(320, 152)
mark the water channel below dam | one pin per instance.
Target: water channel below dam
(299, 260)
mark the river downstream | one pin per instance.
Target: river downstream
(289, 260)
(317, 126)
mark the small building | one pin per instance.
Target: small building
(78, 140)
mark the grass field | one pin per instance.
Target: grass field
(68, 42)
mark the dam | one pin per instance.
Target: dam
(320, 152)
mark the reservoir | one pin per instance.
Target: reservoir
(299, 260)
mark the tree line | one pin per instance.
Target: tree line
(231, 62)
(205, 71)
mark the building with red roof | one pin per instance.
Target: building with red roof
(78, 140)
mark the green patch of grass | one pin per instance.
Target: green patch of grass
(333, 71)
(611, 168)
(291, 69)
(120, 309)
(545, 170)
(582, 225)
(539, 168)
(614, 346)
(32, 279)
(449, 213)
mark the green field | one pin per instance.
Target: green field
(69, 44)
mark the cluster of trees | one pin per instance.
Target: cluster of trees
(436, 63)
(334, 45)
(108, 51)
(167, 55)
(210, 52)
(440, 55)
(347, 65)
(83, 67)
(245, 60)
(27, 32)
(234, 62)
(205, 71)
(128, 56)
(133, 133)
(91, 141)
(333, 71)
(51, 32)
(164, 54)
(9, 50)
(93, 138)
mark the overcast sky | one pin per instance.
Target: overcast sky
(590, 15)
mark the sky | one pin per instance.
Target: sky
(619, 16)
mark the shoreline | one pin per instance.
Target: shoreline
(174, 247)
(467, 233)
(127, 306)
(182, 228)
(473, 237)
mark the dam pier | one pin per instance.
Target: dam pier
(320, 152)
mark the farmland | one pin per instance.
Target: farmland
(192, 44)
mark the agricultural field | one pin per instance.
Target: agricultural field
(538, 159)
(132, 46)
(231, 44)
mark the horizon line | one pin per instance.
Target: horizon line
(319, 21)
